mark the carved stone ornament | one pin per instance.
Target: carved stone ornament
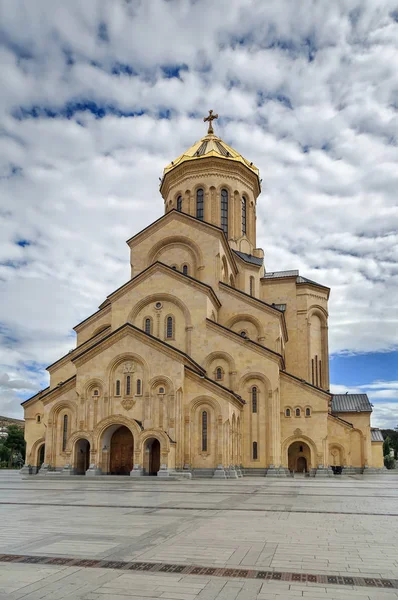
(129, 367)
(297, 432)
(128, 403)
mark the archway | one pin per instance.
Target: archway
(40, 456)
(299, 457)
(152, 456)
(82, 456)
(121, 452)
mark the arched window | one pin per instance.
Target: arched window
(251, 285)
(254, 399)
(298, 412)
(255, 455)
(307, 412)
(117, 390)
(169, 327)
(179, 203)
(38, 419)
(219, 374)
(243, 333)
(287, 412)
(96, 393)
(148, 325)
(185, 269)
(199, 204)
(243, 215)
(128, 385)
(64, 433)
(224, 211)
(204, 431)
(138, 387)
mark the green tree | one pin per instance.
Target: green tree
(392, 434)
(386, 447)
(15, 442)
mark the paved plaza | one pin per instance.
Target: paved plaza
(246, 539)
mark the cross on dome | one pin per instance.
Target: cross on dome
(210, 119)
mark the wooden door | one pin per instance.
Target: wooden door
(301, 465)
(122, 451)
(154, 458)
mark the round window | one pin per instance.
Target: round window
(158, 305)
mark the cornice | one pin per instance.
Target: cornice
(341, 421)
(61, 388)
(256, 302)
(313, 388)
(159, 266)
(245, 341)
(210, 165)
(211, 385)
(99, 313)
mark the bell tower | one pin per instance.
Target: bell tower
(214, 183)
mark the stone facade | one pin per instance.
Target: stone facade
(202, 363)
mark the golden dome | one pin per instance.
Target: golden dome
(208, 146)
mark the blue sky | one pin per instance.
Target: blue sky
(97, 97)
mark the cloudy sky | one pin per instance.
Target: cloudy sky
(98, 96)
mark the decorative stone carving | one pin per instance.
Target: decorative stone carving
(297, 431)
(128, 403)
(129, 367)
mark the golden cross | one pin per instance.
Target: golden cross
(210, 118)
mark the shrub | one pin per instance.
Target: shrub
(389, 462)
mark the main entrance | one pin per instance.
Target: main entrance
(299, 456)
(122, 452)
(152, 456)
(82, 456)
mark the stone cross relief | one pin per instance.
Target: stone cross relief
(129, 367)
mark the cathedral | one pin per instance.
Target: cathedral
(203, 364)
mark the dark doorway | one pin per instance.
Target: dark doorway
(122, 452)
(82, 456)
(301, 464)
(42, 452)
(153, 446)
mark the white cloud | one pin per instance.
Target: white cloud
(77, 188)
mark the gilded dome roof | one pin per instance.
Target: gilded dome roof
(210, 145)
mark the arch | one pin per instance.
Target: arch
(158, 434)
(224, 270)
(250, 319)
(112, 421)
(156, 298)
(74, 437)
(336, 459)
(34, 451)
(62, 405)
(151, 459)
(299, 438)
(219, 354)
(121, 453)
(100, 329)
(288, 412)
(121, 358)
(174, 241)
(161, 380)
(212, 402)
(299, 457)
(224, 209)
(254, 375)
(95, 382)
(179, 203)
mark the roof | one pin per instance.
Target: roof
(254, 260)
(376, 435)
(210, 146)
(351, 403)
(280, 274)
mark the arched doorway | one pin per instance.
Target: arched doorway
(82, 456)
(152, 456)
(40, 456)
(121, 452)
(299, 457)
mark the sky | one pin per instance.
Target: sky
(97, 97)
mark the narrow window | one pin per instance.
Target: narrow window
(307, 412)
(169, 327)
(224, 211)
(38, 419)
(204, 431)
(254, 399)
(199, 204)
(179, 203)
(96, 393)
(64, 433)
(316, 370)
(185, 269)
(148, 324)
(298, 412)
(243, 215)
(254, 450)
(118, 387)
(287, 412)
(219, 373)
(128, 385)
(138, 387)
(313, 372)
(320, 373)
(251, 286)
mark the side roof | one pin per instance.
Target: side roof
(350, 403)
(376, 435)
